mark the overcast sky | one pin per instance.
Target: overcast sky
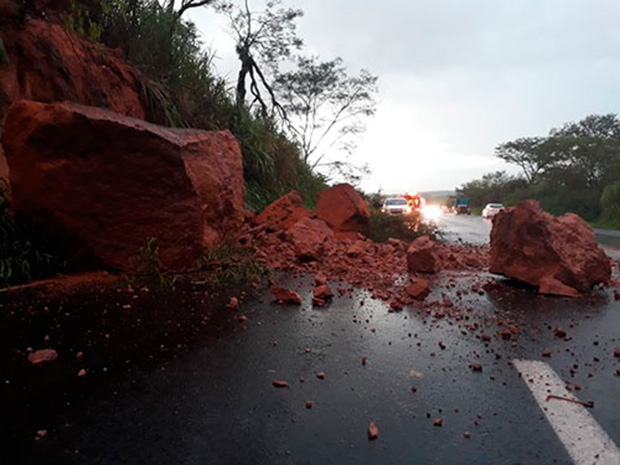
(457, 77)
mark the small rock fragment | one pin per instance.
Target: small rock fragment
(438, 422)
(476, 367)
(546, 353)
(559, 332)
(42, 356)
(233, 304)
(320, 375)
(373, 431)
(323, 292)
(81, 373)
(286, 296)
(309, 404)
(466, 434)
(617, 352)
(279, 383)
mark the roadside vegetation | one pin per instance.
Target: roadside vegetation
(382, 227)
(576, 168)
(23, 255)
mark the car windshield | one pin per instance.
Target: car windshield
(391, 202)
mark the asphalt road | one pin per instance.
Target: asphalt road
(217, 404)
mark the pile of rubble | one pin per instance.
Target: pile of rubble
(330, 244)
(558, 255)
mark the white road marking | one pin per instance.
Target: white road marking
(586, 442)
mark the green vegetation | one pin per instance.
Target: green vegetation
(574, 169)
(23, 256)
(149, 269)
(382, 227)
(231, 265)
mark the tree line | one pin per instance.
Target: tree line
(575, 168)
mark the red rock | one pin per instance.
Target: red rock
(552, 286)
(533, 246)
(320, 375)
(279, 383)
(546, 353)
(42, 356)
(309, 238)
(309, 404)
(48, 63)
(99, 183)
(284, 212)
(343, 208)
(423, 256)
(617, 352)
(418, 288)
(357, 249)
(320, 279)
(476, 367)
(233, 304)
(323, 292)
(438, 422)
(373, 431)
(559, 332)
(242, 319)
(466, 434)
(286, 296)
(81, 373)
(318, 302)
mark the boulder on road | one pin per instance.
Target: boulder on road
(559, 255)
(283, 213)
(99, 183)
(423, 256)
(343, 209)
(309, 238)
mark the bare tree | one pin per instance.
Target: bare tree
(325, 106)
(263, 39)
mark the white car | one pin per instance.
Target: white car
(396, 206)
(492, 209)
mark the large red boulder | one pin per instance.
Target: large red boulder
(423, 255)
(533, 246)
(309, 238)
(343, 209)
(284, 212)
(100, 183)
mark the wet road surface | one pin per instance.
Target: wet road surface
(217, 404)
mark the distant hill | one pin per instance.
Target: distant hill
(437, 194)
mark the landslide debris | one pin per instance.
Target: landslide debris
(333, 247)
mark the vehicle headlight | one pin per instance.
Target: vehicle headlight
(431, 212)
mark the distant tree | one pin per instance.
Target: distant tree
(325, 107)
(589, 149)
(531, 154)
(263, 39)
(492, 187)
